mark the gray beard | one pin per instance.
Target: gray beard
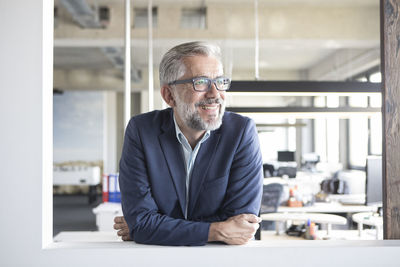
(191, 117)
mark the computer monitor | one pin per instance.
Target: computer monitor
(286, 156)
(310, 158)
(374, 180)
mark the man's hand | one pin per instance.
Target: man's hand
(121, 225)
(236, 230)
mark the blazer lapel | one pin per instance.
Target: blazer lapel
(203, 161)
(173, 155)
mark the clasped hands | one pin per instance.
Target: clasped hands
(236, 230)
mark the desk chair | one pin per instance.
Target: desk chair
(271, 196)
(270, 201)
(289, 171)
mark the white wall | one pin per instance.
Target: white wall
(25, 114)
(21, 138)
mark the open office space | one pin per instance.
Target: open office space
(318, 78)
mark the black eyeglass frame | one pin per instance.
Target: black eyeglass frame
(210, 81)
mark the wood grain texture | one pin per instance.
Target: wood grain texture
(390, 53)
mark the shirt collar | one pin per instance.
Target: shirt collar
(180, 136)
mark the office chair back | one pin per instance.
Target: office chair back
(270, 201)
(289, 171)
(271, 197)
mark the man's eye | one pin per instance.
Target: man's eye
(222, 81)
(200, 82)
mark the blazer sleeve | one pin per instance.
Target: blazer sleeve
(245, 185)
(146, 224)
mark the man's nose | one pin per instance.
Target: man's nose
(213, 92)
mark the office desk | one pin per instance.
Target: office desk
(371, 219)
(322, 218)
(369, 234)
(331, 207)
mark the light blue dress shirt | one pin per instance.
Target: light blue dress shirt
(189, 156)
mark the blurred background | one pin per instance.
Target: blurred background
(307, 72)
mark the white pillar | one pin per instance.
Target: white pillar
(150, 50)
(256, 41)
(110, 157)
(127, 69)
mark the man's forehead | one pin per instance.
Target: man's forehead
(202, 66)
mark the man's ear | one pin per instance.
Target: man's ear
(167, 95)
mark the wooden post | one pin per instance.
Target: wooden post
(390, 63)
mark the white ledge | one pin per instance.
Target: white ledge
(109, 240)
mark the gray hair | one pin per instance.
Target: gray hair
(172, 66)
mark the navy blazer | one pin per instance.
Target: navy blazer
(226, 179)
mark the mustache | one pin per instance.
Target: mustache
(209, 101)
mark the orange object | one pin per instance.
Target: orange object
(312, 230)
(292, 201)
(295, 203)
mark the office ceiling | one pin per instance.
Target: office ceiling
(275, 54)
(290, 55)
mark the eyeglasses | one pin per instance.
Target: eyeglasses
(203, 84)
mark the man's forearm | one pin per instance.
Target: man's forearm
(157, 229)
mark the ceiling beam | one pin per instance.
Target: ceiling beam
(304, 87)
(292, 109)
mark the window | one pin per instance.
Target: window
(193, 18)
(358, 101)
(376, 135)
(272, 141)
(55, 16)
(358, 134)
(78, 124)
(375, 101)
(375, 77)
(291, 135)
(320, 130)
(320, 138)
(104, 16)
(332, 131)
(358, 142)
(140, 17)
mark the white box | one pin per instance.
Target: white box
(105, 214)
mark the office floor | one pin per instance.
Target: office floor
(73, 213)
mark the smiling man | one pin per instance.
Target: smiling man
(192, 173)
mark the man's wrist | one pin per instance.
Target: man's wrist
(215, 233)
